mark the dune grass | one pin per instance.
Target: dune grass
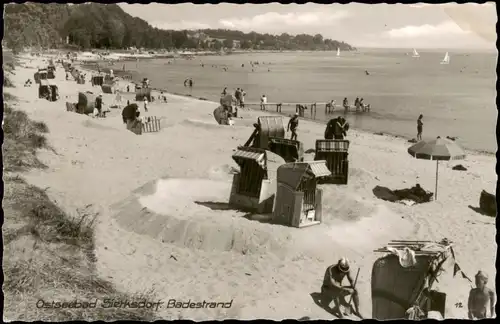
(49, 254)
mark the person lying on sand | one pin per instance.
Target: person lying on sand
(332, 288)
(479, 298)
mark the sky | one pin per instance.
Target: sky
(361, 25)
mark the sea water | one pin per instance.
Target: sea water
(457, 100)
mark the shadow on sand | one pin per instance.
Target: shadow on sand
(480, 211)
(219, 206)
(318, 300)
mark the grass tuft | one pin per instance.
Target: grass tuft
(50, 254)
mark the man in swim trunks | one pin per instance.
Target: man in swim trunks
(479, 298)
(332, 287)
(420, 126)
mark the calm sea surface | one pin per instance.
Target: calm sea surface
(456, 100)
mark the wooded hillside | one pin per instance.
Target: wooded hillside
(96, 25)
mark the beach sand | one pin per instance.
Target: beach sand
(155, 231)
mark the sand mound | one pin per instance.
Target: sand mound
(201, 123)
(93, 124)
(371, 231)
(342, 205)
(194, 213)
(361, 179)
(223, 172)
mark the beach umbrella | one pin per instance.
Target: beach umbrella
(439, 149)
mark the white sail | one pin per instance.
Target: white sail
(338, 51)
(415, 53)
(446, 59)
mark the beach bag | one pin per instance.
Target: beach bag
(86, 102)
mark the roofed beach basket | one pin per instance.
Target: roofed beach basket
(254, 187)
(86, 102)
(336, 154)
(298, 201)
(402, 280)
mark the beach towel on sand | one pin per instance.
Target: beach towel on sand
(406, 256)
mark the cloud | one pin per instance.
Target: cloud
(423, 5)
(276, 21)
(180, 25)
(448, 28)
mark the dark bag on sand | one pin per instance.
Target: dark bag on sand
(488, 203)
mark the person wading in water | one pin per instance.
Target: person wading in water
(479, 298)
(420, 126)
(292, 126)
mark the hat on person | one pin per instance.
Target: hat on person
(343, 264)
(482, 275)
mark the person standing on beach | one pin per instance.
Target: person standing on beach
(293, 124)
(420, 126)
(480, 297)
(98, 104)
(237, 95)
(145, 104)
(224, 92)
(263, 102)
(128, 87)
(242, 101)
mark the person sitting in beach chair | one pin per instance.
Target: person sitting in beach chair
(480, 297)
(332, 288)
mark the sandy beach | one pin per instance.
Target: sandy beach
(154, 233)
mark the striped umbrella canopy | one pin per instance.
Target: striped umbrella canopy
(439, 149)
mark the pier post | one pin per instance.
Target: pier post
(278, 107)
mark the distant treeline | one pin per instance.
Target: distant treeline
(95, 25)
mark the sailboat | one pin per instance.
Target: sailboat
(338, 51)
(415, 53)
(446, 59)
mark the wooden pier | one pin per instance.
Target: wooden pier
(301, 107)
